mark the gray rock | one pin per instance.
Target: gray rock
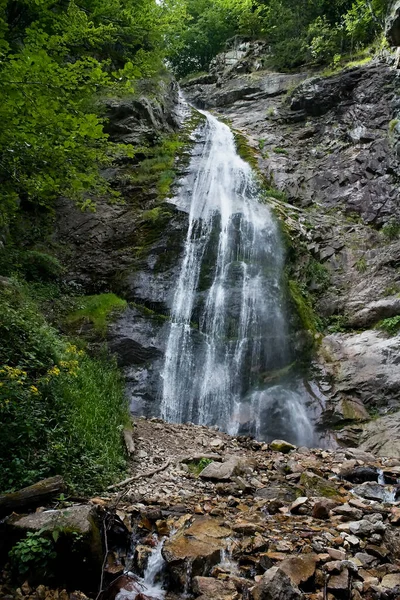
(376, 311)
(392, 25)
(276, 585)
(225, 470)
(366, 527)
(371, 491)
(382, 436)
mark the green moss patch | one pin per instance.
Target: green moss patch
(97, 310)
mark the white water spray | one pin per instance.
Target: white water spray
(228, 329)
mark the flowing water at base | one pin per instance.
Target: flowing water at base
(229, 323)
(150, 584)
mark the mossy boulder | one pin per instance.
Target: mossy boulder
(316, 486)
(282, 446)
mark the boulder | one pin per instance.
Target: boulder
(79, 542)
(322, 508)
(315, 485)
(225, 470)
(199, 546)
(282, 446)
(210, 588)
(371, 491)
(361, 474)
(382, 436)
(276, 585)
(299, 568)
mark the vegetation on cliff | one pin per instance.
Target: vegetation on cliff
(58, 60)
(298, 32)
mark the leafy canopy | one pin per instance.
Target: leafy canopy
(57, 60)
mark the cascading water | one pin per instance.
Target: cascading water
(228, 335)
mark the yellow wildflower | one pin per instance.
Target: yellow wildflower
(54, 371)
(34, 389)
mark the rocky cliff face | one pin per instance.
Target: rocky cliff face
(329, 145)
(328, 150)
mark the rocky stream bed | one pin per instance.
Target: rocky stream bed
(222, 518)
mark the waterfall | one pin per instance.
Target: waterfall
(229, 334)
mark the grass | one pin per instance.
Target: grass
(61, 410)
(97, 310)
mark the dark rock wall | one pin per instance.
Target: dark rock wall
(330, 146)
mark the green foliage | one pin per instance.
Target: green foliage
(298, 32)
(391, 230)
(35, 554)
(197, 466)
(281, 151)
(97, 310)
(57, 60)
(390, 325)
(361, 265)
(304, 307)
(61, 410)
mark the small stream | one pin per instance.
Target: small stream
(150, 585)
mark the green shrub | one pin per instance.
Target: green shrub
(197, 466)
(390, 325)
(61, 410)
(35, 554)
(391, 230)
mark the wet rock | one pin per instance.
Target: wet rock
(210, 588)
(299, 568)
(276, 585)
(199, 545)
(282, 446)
(361, 474)
(371, 491)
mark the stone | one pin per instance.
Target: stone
(276, 585)
(200, 544)
(347, 512)
(371, 491)
(281, 446)
(360, 474)
(391, 581)
(299, 503)
(279, 493)
(299, 568)
(365, 527)
(339, 583)
(322, 508)
(336, 554)
(224, 471)
(210, 588)
(79, 525)
(318, 486)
